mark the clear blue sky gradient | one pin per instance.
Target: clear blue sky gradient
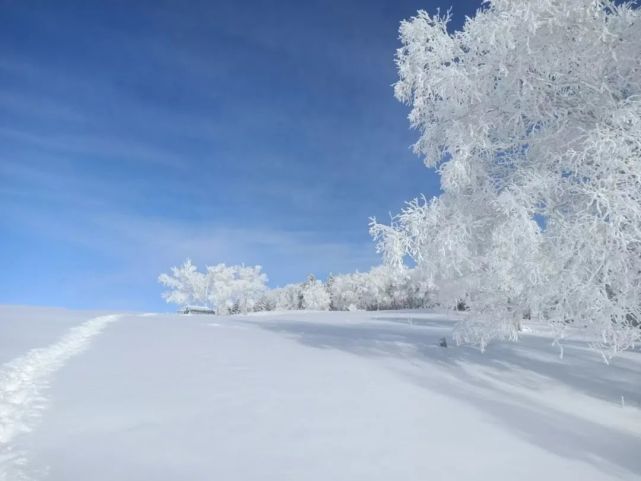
(136, 134)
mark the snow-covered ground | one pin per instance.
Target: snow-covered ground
(304, 396)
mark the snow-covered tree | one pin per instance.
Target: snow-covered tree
(314, 295)
(287, 298)
(380, 288)
(226, 289)
(235, 289)
(309, 295)
(186, 285)
(532, 115)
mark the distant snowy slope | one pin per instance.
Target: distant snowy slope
(331, 396)
(23, 328)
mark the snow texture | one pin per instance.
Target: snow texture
(316, 396)
(22, 385)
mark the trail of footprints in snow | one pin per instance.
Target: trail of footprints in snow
(23, 381)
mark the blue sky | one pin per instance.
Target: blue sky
(136, 134)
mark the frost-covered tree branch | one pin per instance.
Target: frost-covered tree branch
(532, 116)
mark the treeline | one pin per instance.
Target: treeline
(240, 289)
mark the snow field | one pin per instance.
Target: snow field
(341, 396)
(23, 382)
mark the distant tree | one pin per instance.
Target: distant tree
(532, 115)
(235, 289)
(287, 298)
(380, 288)
(226, 289)
(314, 295)
(186, 285)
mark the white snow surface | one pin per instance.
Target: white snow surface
(307, 396)
(22, 385)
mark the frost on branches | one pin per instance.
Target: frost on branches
(311, 295)
(225, 289)
(532, 116)
(240, 289)
(379, 289)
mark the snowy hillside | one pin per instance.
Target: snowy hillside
(305, 396)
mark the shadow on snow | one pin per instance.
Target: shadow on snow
(517, 368)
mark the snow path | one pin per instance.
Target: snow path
(22, 385)
(23, 328)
